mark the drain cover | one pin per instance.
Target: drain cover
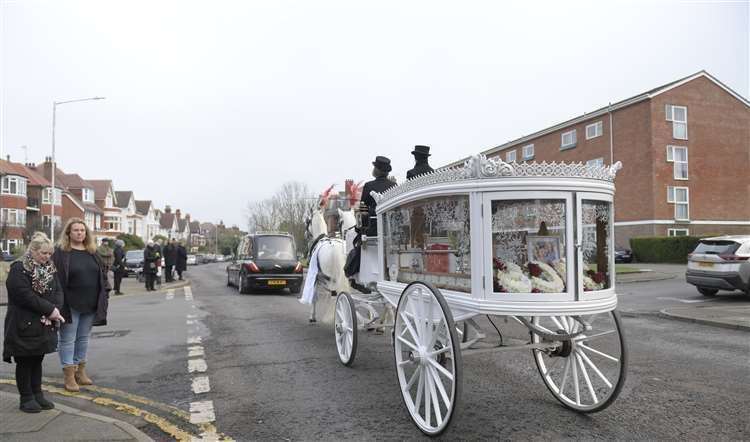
(109, 334)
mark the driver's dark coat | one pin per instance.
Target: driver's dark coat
(379, 185)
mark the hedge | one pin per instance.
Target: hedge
(670, 249)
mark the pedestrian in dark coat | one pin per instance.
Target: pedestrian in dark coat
(381, 183)
(181, 264)
(35, 299)
(118, 266)
(85, 299)
(170, 259)
(421, 166)
(151, 258)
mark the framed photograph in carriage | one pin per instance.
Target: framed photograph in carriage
(543, 248)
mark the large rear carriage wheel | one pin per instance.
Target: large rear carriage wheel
(428, 357)
(585, 373)
(345, 328)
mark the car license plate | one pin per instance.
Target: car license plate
(276, 282)
(706, 264)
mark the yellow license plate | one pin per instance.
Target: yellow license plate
(706, 264)
(277, 282)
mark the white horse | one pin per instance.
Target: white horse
(325, 277)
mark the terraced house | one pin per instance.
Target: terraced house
(685, 150)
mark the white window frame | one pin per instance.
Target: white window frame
(528, 152)
(20, 184)
(573, 139)
(6, 243)
(673, 194)
(673, 232)
(678, 165)
(19, 216)
(112, 223)
(510, 156)
(57, 196)
(598, 130)
(670, 114)
(596, 162)
(87, 195)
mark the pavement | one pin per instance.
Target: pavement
(63, 423)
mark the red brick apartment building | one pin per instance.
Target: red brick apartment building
(685, 150)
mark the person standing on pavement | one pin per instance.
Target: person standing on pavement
(181, 263)
(35, 299)
(170, 259)
(150, 265)
(85, 289)
(106, 256)
(118, 265)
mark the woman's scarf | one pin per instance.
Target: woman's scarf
(42, 275)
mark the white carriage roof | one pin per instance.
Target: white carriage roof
(480, 167)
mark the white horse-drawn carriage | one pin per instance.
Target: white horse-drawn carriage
(531, 242)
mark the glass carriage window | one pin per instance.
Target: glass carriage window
(595, 245)
(528, 246)
(430, 241)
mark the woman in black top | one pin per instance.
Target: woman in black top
(86, 298)
(34, 301)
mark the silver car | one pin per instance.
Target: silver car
(720, 263)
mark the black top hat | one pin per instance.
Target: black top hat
(382, 163)
(421, 150)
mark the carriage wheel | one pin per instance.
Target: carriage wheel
(345, 328)
(586, 373)
(428, 357)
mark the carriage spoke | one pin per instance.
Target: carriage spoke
(553, 364)
(576, 385)
(409, 327)
(439, 351)
(586, 378)
(413, 378)
(594, 336)
(565, 376)
(408, 344)
(434, 398)
(564, 320)
(442, 369)
(420, 386)
(440, 386)
(593, 367)
(604, 355)
(557, 323)
(427, 410)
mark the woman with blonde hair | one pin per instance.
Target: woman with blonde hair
(34, 303)
(85, 298)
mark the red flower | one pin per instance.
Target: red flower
(535, 290)
(534, 270)
(498, 264)
(598, 277)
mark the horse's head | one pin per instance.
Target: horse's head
(347, 221)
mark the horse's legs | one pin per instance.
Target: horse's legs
(312, 308)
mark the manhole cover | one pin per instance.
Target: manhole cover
(109, 334)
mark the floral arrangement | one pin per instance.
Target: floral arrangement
(509, 277)
(593, 280)
(544, 278)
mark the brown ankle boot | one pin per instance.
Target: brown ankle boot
(81, 376)
(70, 378)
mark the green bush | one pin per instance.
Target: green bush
(668, 249)
(132, 242)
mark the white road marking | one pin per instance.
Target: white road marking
(202, 412)
(197, 365)
(191, 321)
(194, 340)
(685, 301)
(195, 351)
(201, 385)
(188, 294)
(192, 316)
(170, 294)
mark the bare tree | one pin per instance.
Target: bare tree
(286, 210)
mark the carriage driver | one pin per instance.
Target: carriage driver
(421, 166)
(381, 183)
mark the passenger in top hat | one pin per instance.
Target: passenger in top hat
(421, 155)
(381, 183)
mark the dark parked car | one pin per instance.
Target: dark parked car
(266, 261)
(133, 261)
(623, 255)
(8, 257)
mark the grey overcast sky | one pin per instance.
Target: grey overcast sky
(211, 104)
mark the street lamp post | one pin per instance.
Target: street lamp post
(54, 164)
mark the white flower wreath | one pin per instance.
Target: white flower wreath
(549, 281)
(513, 279)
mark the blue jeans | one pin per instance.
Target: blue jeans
(73, 340)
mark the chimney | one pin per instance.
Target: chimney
(178, 214)
(167, 209)
(31, 166)
(187, 217)
(7, 157)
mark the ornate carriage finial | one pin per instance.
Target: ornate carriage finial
(479, 166)
(612, 170)
(376, 196)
